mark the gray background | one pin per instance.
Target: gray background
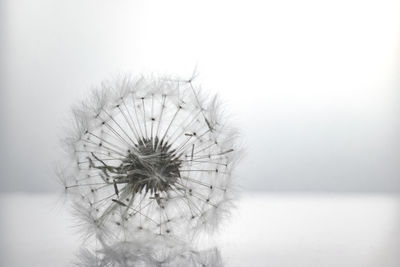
(313, 85)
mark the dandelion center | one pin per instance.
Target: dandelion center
(154, 168)
(150, 166)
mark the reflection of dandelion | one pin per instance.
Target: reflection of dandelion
(147, 250)
(150, 155)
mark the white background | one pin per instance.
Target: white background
(313, 85)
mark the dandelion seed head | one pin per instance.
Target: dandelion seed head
(150, 155)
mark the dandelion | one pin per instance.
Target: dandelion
(151, 155)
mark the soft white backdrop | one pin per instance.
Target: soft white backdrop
(313, 85)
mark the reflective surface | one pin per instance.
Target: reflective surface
(264, 230)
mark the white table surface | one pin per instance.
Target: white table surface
(265, 230)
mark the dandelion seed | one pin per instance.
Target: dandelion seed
(154, 155)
